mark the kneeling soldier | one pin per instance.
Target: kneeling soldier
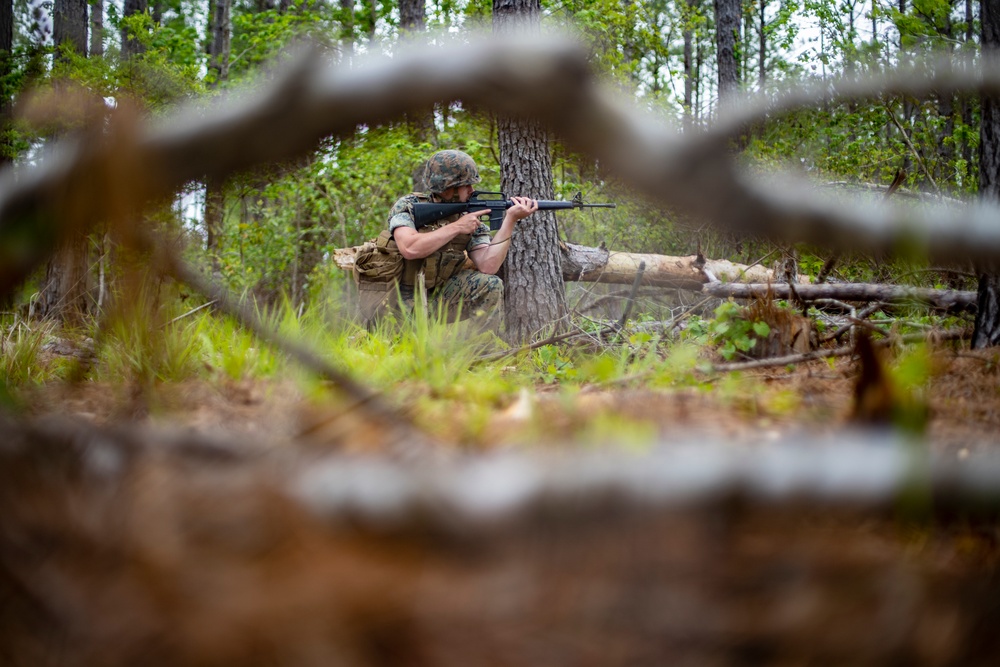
(402, 254)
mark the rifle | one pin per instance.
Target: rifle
(424, 213)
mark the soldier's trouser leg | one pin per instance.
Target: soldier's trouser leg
(471, 294)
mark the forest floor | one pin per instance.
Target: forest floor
(712, 585)
(962, 398)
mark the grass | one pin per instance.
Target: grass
(424, 365)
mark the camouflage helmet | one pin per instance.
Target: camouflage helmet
(449, 169)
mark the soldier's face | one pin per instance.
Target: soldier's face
(463, 193)
(459, 193)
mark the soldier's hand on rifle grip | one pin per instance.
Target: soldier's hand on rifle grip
(469, 222)
(522, 208)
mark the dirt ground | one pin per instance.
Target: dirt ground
(196, 560)
(962, 405)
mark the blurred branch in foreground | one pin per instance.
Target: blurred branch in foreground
(128, 547)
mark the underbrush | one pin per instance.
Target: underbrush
(461, 386)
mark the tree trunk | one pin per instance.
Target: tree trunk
(97, 28)
(69, 25)
(347, 26)
(689, 65)
(218, 50)
(6, 90)
(412, 16)
(412, 24)
(762, 45)
(987, 327)
(64, 294)
(214, 210)
(132, 46)
(218, 62)
(631, 50)
(534, 293)
(727, 29)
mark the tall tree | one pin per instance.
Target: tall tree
(69, 25)
(412, 17)
(65, 293)
(688, 13)
(412, 26)
(131, 44)
(96, 28)
(727, 33)
(219, 36)
(987, 328)
(6, 69)
(534, 293)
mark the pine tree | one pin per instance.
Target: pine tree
(534, 292)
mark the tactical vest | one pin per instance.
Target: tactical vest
(379, 266)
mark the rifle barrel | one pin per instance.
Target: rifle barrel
(426, 213)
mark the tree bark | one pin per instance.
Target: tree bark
(65, 293)
(727, 29)
(69, 25)
(218, 50)
(6, 69)
(412, 16)
(762, 44)
(132, 46)
(412, 24)
(97, 28)
(690, 73)
(987, 327)
(534, 295)
(218, 62)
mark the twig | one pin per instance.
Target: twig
(863, 313)
(909, 144)
(555, 338)
(190, 312)
(794, 359)
(755, 263)
(846, 350)
(828, 265)
(940, 269)
(631, 297)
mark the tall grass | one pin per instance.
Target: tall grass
(20, 350)
(425, 365)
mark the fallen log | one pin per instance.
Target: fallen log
(939, 299)
(722, 278)
(599, 265)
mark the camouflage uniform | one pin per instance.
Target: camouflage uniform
(462, 292)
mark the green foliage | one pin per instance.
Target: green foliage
(553, 364)
(260, 37)
(730, 330)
